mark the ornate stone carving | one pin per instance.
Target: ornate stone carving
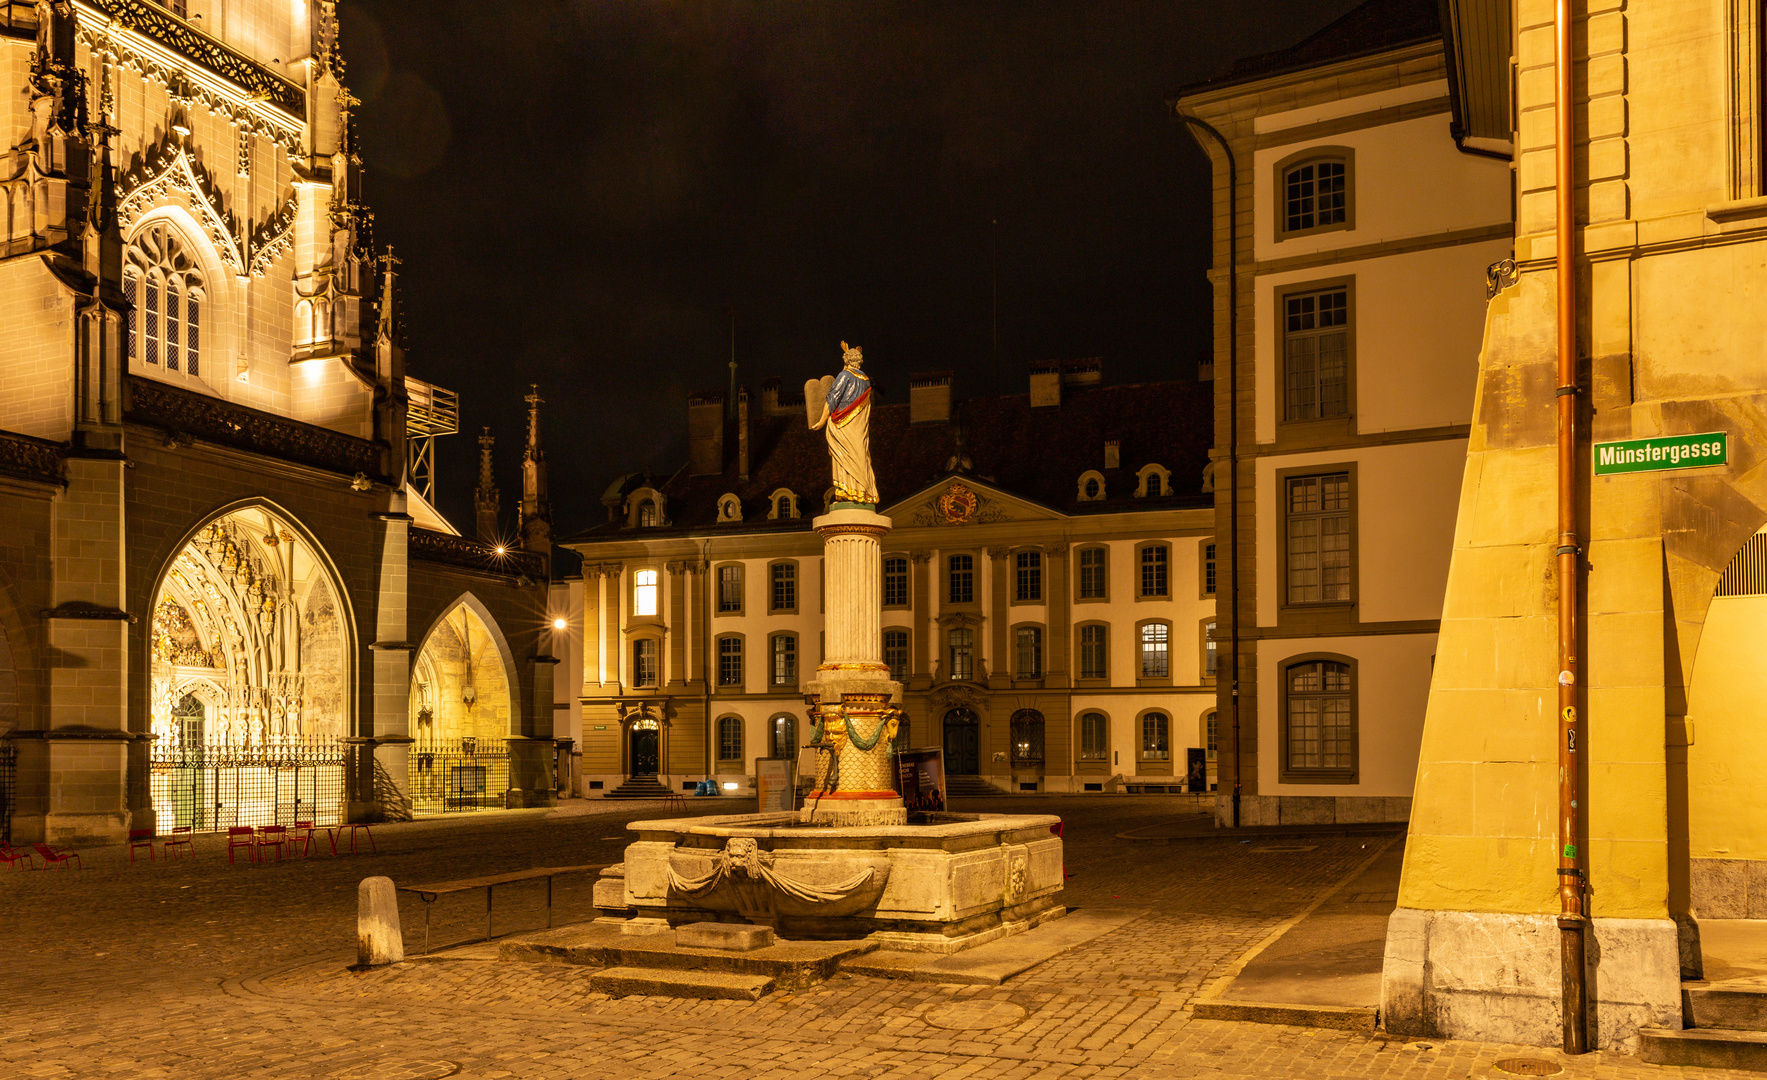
(1500, 275)
(474, 555)
(758, 886)
(274, 237)
(959, 504)
(224, 423)
(152, 21)
(169, 174)
(27, 458)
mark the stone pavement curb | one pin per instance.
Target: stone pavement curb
(1208, 1004)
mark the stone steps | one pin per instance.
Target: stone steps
(1727, 1029)
(969, 787)
(640, 787)
(789, 965)
(670, 982)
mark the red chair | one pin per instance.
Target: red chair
(269, 836)
(12, 858)
(181, 838)
(240, 836)
(301, 834)
(53, 858)
(140, 838)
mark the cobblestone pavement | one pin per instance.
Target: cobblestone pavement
(195, 969)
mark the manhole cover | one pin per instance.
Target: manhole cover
(402, 1070)
(973, 1015)
(1529, 1066)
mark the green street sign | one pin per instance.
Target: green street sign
(1665, 452)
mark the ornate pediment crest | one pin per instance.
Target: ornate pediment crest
(963, 501)
(170, 176)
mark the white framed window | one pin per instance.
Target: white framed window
(644, 592)
(1315, 194)
(163, 282)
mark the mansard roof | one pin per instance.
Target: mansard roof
(1036, 454)
(1374, 27)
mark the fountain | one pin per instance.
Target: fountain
(850, 864)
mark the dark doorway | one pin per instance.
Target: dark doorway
(644, 751)
(962, 743)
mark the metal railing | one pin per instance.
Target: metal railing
(219, 785)
(8, 787)
(451, 776)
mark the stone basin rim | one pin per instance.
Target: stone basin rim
(747, 825)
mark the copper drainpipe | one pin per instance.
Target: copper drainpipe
(1573, 923)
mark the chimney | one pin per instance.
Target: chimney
(1045, 384)
(742, 434)
(1112, 454)
(705, 434)
(1082, 373)
(770, 396)
(929, 397)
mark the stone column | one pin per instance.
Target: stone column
(1000, 617)
(677, 626)
(616, 653)
(856, 704)
(925, 643)
(386, 794)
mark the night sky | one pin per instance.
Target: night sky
(581, 192)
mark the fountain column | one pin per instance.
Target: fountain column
(855, 705)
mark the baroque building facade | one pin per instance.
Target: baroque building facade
(1346, 339)
(1048, 589)
(217, 538)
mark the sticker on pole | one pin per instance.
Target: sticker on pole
(1665, 452)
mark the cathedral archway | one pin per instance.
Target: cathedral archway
(464, 708)
(251, 676)
(251, 618)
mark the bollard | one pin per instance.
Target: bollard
(379, 940)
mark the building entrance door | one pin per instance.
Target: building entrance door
(962, 743)
(644, 750)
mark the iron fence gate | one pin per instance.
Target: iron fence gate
(450, 776)
(213, 786)
(8, 787)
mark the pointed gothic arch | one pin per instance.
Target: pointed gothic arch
(465, 672)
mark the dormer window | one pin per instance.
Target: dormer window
(730, 508)
(1091, 486)
(647, 515)
(784, 504)
(1154, 481)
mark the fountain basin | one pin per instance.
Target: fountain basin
(958, 882)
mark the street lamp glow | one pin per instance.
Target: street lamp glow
(559, 624)
(500, 549)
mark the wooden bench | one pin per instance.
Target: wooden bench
(430, 892)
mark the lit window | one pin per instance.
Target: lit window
(1156, 733)
(1211, 654)
(1153, 570)
(1314, 195)
(730, 738)
(1029, 575)
(895, 647)
(161, 275)
(1094, 736)
(1027, 736)
(785, 736)
(729, 588)
(1212, 734)
(644, 592)
(730, 661)
(647, 514)
(962, 574)
(644, 662)
(963, 647)
(1319, 538)
(1316, 355)
(1320, 732)
(1092, 573)
(1030, 652)
(895, 588)
(785, 586)
(785, 660)
(1156, 651)
(1092, 652)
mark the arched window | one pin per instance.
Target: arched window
(644, 592)
(163, 282)
(1319, 719)
(647, 515)
(1156, 650)
(785, 735)
(1156, 737)
(1027, 737)
(1211, 733)
(730, 738)
(730, 660)
(1094, 736)
(785, 659)
(1315, 194)
(1094, 652)
(784, 504)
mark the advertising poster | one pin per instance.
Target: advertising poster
(1197, 778)
(921, 776)
(774, 784)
